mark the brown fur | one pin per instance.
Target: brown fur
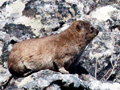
(57, 51)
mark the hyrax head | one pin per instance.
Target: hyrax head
(85, 30)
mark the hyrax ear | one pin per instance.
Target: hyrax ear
(79, 26)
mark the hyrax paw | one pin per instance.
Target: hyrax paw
(62, 70)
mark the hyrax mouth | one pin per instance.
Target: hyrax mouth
(97, 32)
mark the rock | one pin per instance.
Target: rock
(25, 19)
(13, 32)
(97, 85)
(47, 80)
(103, 51)
(106, 17)
(106, 2)
(4, 76)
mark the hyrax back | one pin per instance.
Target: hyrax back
(57, 51)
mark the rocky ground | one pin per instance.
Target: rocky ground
(25, 19)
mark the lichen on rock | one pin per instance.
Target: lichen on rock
(26, 19)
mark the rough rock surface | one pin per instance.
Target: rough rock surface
(49, 80)
(103, 53)
(46, 79)
(25, 19)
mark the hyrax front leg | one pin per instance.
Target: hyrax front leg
(60, 66)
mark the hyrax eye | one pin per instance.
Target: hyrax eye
(91, 29)
(79, 25)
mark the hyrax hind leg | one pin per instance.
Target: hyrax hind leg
(60, 66)
(30, 68)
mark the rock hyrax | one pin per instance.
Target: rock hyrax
(54, 52)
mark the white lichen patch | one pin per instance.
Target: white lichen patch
(43, 82)
(34, 23)
(101, 50)
(98, 55)
(16, 7)
(1, 46)
(24, 81)
(72, 1)
(50, 8)
(103, 13)
(110, 86)
(4, 36)
(97, 85)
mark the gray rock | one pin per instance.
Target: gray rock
(25, 19)
(105, 18)
(104, 50)
(47, 80)
(4, 76)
